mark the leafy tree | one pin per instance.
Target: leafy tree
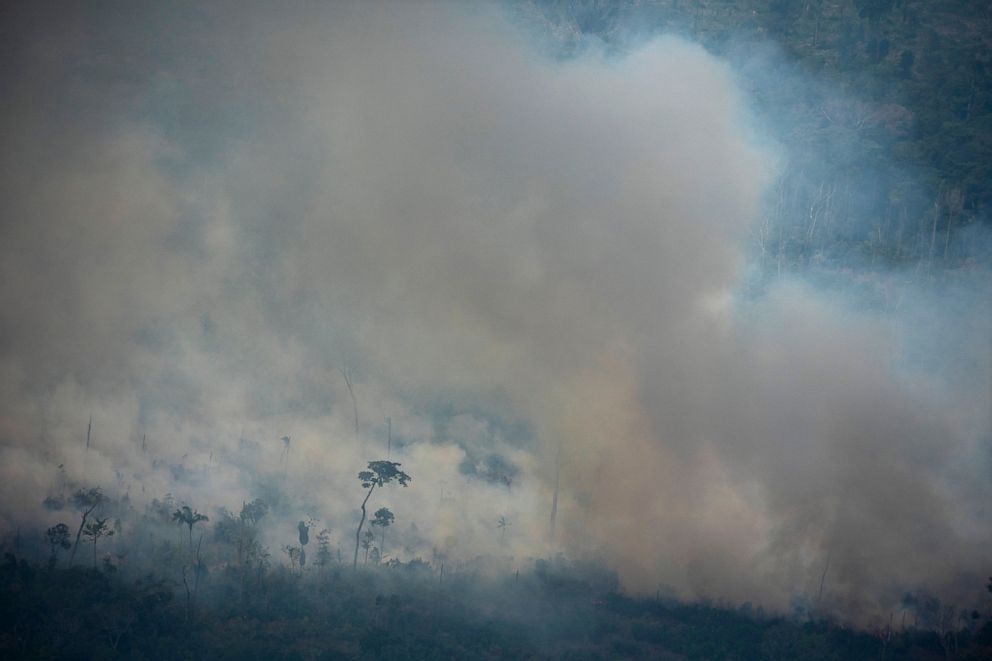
(95, 530)
(85, 501)
(324, 548)
(380, 473)
(58, 538)
(189, 517)
(251, 514)
(367, 541)
(383, 518)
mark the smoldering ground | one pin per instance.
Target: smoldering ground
(211, 215)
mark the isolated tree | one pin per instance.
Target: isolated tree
(380, 473)
(323, 548)
(367, 541)
(501, 523)
(294, 556)
(85, 500)
(251, 514)
(383, 518)
(250, 551)
(95, 530)
(58, 538)
(189, 517)
(304, 530)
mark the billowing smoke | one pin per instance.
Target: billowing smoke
(531, 265)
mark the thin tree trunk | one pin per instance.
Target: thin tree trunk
(823, 577)
(358, 534)
(72, 556)
(188, 600)
(351, 391)
(933, 232)
(947, 237)
(554, 499)
(196, 576)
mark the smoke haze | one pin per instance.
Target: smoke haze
(531, 264)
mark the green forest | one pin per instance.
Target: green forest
(884, 108)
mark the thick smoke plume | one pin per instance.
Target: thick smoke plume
(530, 265)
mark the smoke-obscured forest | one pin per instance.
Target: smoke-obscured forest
(539, 328)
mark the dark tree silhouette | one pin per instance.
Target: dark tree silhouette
(95, 530)
(189, 517)
(58, 538)
(383, 518)
(367, 543)
(323, 548)
(85, 500)
(502, 523)
(304, 529)
(380, 473)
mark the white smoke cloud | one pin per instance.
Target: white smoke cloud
(202, 235)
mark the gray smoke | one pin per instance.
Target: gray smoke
(210, 215)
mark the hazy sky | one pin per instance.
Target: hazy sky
(211, 212)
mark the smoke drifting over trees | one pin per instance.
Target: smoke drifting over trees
(211, 214)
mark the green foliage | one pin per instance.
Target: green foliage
(870, 98)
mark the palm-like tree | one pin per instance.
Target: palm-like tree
(189, 517)
(502, 523)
